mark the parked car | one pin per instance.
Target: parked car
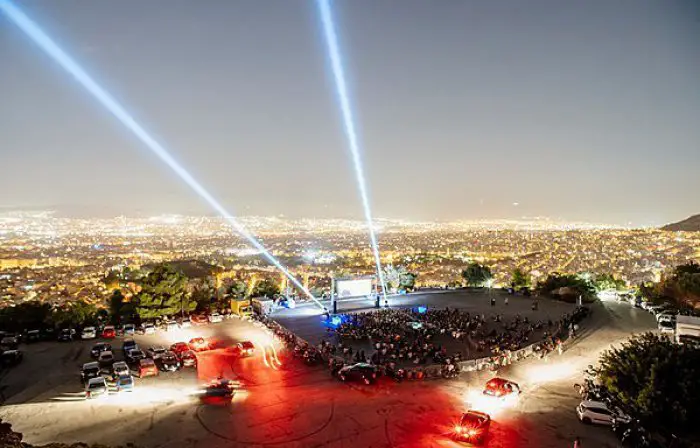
(198, 344)
(148, 328)
(169, 362)
(109, 332)
(179, 347)
(106, 358)
(88, 333)
(96, 388)
(33, 336)
(197, 319)
(99, 348)
(129, 329)
(128, 345)
(155, 351)
(188, 358)
(120, 368)
(66, 335)
(667, 326)
(473, 427)
(10, 341)
(90, 370)
(134, 356)
(125, 383)
(171, 325)
(597, 412)
(10, 358)
(147, 367)
(215, 318)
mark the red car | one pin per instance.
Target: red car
(179, 347)
(501, 388)
(109, 332)
(198, 344)
(199, 320)
(147, 367)
(188, 359)
(473, 427)
(247, 348)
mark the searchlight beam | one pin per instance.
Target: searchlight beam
(31, 29)
(336, 62)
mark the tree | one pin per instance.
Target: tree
(266, 288)
(606, 282)
(75, 314)
(398, 277)
(237, 289)
(27, 315)
(520, 279)
(655, 381)
(476, 274)
(408, 281)
(163, 293)
(566, 286)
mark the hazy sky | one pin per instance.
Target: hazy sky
(586, 110)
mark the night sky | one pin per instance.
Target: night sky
(582, 110)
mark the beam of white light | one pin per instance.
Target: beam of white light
(19, 18)
(335, 59)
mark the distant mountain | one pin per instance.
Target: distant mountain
(691, 224)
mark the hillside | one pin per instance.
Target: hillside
(691, 224)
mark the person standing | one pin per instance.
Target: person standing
(577, 442)
(506, 301)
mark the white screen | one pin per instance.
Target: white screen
(354, 288)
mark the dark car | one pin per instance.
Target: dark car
(10, 341)
(168, 362)
(10, 358)
(473, 427)
(99, 348)
(128, 345)
(134, 356)
(66, 335)
(366, 373)
(188, 358)
(90, 370)
(33, 336)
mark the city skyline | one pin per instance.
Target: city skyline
(577, 127)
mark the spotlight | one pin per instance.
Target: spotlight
(19, 18)
(336, 61)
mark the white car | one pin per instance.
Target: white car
(171, 325)
(667, 326)
(666, 317)
(185, 324)
(120, 368)
(96, 387)
(598, 413)
(215, 318)
(88, 333)
(149, 329)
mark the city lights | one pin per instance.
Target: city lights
(115, 108)
(349, 125)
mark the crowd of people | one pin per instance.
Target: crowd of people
(389, 337)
